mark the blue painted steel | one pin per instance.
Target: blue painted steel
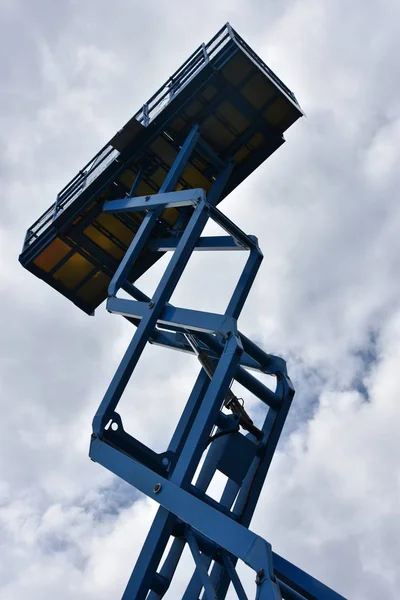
(161, 200)
(206, 243)
(226, 532)
(201, 568)
(162, 294)
(136, 182)
(237, 584)
(136, 247)
(245, 282)
(150, 219)
(289, 593)
(168, 569)
(303, 583)
(216, 531)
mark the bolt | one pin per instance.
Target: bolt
(228, 335)
(260, 575)
(157, 488)
(93, 436)
(147, 198)
(151, 304)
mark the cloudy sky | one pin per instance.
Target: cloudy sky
(325, 209)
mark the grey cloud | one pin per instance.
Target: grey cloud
(326, 213)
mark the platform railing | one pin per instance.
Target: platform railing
(199, 59)
(71, 191)
(149, 111)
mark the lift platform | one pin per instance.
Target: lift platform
(152, 189)
(242, 110)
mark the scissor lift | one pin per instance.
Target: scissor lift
(151, 190)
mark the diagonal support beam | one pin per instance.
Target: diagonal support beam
(162, 294)
(209, 589)
(215, 530)
(200, 323)
(226, 532)
(133, 252)
(306, 585)
(237, 584)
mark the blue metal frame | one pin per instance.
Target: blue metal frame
(225, 42)
(216, 532)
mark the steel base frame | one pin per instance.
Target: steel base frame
(216, 532)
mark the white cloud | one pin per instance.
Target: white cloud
(327, 297)
(336, 479)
